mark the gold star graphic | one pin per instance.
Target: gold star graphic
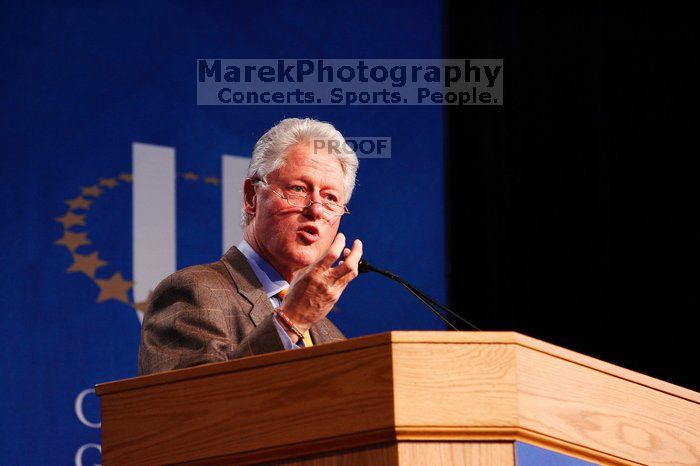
(143, 305)
(191, 176)
(70, 219)
(73, 240)
(93, 191)
(109, 182)
(126, 177)
(212, 180)
(114, 288)
(87, 264)
(78, 203)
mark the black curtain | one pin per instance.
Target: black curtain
(573, 208)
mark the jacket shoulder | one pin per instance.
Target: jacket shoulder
(195, 284)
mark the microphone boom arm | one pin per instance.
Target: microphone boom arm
(429, 302)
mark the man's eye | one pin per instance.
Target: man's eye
(297, 189)
(331, 198)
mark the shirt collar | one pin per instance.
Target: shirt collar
(270, 279)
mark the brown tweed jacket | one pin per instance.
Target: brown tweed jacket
(211, 313)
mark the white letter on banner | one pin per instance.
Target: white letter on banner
(154, 217)
(234, 170)
(79, 409)
(81, 450)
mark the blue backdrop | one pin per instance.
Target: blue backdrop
(80, 84)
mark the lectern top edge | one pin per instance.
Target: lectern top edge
(399, 337)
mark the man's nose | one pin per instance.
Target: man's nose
(314, 210)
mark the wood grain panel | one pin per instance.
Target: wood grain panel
(250, 362)
(456, 453)
(403, 454)
(455, 384)
(513, 338)
(247, 410)
(381, 455)
(586, 407)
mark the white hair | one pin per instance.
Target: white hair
(269, 153)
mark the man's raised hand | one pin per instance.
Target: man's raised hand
(315, 289)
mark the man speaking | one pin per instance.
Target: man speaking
(274, 290)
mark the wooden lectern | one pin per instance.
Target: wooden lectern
(400, 398)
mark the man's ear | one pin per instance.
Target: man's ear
(249, 198)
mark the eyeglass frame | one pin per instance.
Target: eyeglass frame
(323, 204)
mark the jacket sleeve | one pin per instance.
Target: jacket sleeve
(196, 317)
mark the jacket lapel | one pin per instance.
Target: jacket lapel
(247, 284)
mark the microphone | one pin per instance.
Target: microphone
(363, 267)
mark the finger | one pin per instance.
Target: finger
(355, 254)
(334, 251)
(350, 263)
(346, 251)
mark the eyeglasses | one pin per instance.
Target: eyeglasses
(330, 208)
